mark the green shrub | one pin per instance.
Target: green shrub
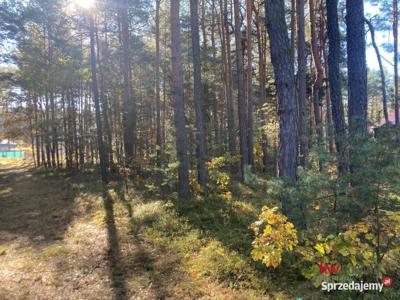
(216, 262)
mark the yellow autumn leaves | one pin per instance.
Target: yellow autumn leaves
(354, 249)
(274, 235)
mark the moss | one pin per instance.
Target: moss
(24, 265)
(228, 267)
(52, 251)
(98, 218)
(83, 264)
(56, 238)
(3, 250)
(199, 234)
(148, 212)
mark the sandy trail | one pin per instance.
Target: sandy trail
(52, 244)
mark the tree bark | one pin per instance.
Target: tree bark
(215, 98)
(324, 54)
(381, 71)
(396, 61)
(100, 143)
(316, 88)
(128, 112)
(250, 142)
(241, 96)
(158, 105)
(335, 86)
(356, 65)
(229, 94)
(198, 100)
(101, 61)
(302, 85)
(285, 88)
(178, 100)
(282, 61)
(293, 7)
(262, 77)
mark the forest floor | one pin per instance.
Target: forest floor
(69, 237)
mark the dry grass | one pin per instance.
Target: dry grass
(70, 238)
(51, 250)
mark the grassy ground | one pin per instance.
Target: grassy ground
(68, 237)
(54, 245)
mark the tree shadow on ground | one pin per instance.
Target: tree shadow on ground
(39, 209)
(130, 258)
(219, 219)
(114, 252)
(228, 222)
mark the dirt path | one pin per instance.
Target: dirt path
(72, 238)
(53, 245)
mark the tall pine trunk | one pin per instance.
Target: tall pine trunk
(241, 96)
(381, 70)
(302, 84)
(335, 86)
(178, 100)
(282, 61)
(128, 118)
(317, 84)
(356, 65)
(99, 128)
(198, 100)
(158, 104)
(396, 61)
(262, 77)
(250, 142)
(229, 95)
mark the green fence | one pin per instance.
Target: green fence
(11, 154)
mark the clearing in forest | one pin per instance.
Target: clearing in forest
(68, 237)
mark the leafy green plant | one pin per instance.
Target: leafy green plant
(352, 219)
(219, 177)
(274, 235)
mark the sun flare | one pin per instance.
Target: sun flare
(85, 3)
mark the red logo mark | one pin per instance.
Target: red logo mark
(387, 281)
(328, 269)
